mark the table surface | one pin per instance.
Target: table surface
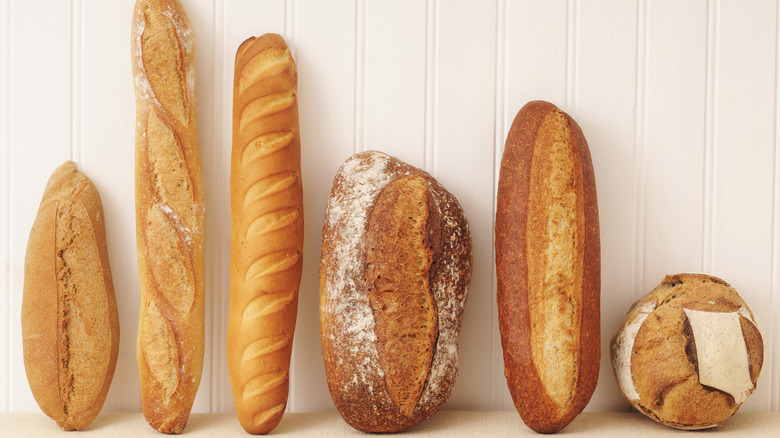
(443, 424)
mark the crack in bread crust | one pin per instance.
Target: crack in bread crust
(554, 229)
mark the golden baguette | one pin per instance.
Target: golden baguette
(266, 207)
(70, 326)
(169, 214)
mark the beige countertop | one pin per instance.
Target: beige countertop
(444, 424)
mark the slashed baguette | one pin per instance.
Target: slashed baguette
(70, 325)
(266, 206)
(169, 214)
(548, 267)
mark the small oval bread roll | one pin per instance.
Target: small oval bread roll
(689, 353)
(70, 326)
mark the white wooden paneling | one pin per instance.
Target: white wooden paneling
(5, 208)
(325, 40)
(678, 101)
(104, 126)
(463, 158)
(40, 140)
(394, 62)
(744, 158)
(602, 98)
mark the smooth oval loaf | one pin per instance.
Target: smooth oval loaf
(394, 276)
(548, 267)
(689, 353)
(266, 207)
(170, 211)
(70, 326)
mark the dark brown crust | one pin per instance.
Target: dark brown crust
(363, 399)
(536, 408)
(41, 329)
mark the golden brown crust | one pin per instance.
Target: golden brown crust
(170, 211)
(266, 205)
(70, 325)
(660, 372)
(548, 267)
(374, 193)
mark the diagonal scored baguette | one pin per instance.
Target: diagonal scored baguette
(266, 206)
(170, 213)
(548, 267)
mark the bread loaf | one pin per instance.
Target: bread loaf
(266, 207)
(70, 326)
(548, 267)
(170, 205)
(396, 265)
(689, 353)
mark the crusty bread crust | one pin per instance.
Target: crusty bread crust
(356, 339)
(170, 212)
(266, 206)
(548, 267)
(70, 325)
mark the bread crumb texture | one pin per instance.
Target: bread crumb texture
(554, 232)
(84, 326)
(398, 263)
(684, 376)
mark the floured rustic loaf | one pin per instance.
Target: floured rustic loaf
(396, 265)
(70, 326)
(548, 267)
(689, 353)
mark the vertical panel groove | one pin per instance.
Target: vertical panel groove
(431, 71)
(498, 136)
(360, 77)
(75, 82)
(5, 208)
(218, 370)
(640, 148)
(774, 283)
(571, 53)
(710, 104)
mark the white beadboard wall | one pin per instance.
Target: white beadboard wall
(678, 101)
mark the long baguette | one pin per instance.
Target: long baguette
(169, 214)
(266, 206)
(548, 267)
(70, 325)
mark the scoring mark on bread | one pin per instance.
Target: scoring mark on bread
(267, 304)
(268, 414)
(82, 306)
(263, 346)
(553, 232)
(170, 175)
(169, 261)
(268, 62)
(272, 263)
(399, 254)
(272, 221)
(265, 144)
(269, 185)
(263, 383)
(160, 351)
(165, 73)
(266, 105)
